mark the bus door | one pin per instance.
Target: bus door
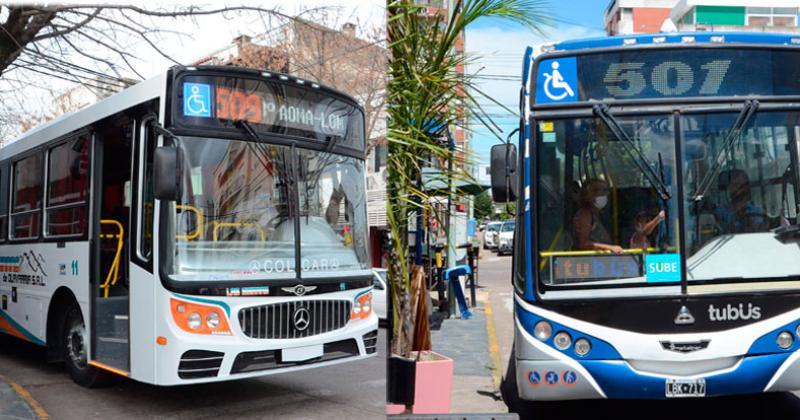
(112, 208)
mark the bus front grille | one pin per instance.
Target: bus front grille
(296, 319)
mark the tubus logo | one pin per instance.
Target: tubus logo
(734, 313)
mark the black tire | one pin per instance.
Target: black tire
(73, 344)
(510, 393)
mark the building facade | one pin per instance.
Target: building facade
(649, 16)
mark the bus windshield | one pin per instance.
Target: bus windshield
(244, 204)
(601, 219)
(603, 222)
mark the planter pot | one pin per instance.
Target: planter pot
(433, 385)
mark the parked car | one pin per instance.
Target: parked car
(490, 235)
(379, 288)
(505, 241)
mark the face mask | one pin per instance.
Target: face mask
(600, 201)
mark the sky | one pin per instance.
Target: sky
(498, 47)
(184, 40)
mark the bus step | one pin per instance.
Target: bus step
(116, 340)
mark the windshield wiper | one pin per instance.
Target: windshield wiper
(248, 129)
(748, 110)
(601, 110)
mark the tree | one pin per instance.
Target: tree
(484, 208)
(423, 86)
(80, 44)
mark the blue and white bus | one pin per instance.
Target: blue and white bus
(658, 245)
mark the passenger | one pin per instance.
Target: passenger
(643, 227)
(589, 232)
(740, 215)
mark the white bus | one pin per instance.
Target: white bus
(204, 225)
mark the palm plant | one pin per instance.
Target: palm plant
(423, 89)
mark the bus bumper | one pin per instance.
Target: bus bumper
(543, 373)
(202, 360)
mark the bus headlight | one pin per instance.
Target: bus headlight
(785, 340)
(582, 347)
(197, 318)
(562, 340)
(542, 330)
(194, 320)
(212, 320)
(362, 306)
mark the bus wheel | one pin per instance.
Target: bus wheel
(510, 393)
(74, 344)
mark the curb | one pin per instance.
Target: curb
(22, 403)
(494, 346)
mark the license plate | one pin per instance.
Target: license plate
(301, 354)
(682, 388)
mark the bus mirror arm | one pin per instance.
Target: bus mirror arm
(166, 173)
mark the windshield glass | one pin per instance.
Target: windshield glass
(238, 215)
(333, 222)
(729, 229)
(493, 227)
(507, 227)
(601, 220)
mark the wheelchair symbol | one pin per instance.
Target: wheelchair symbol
(195, 103)
(555, 80)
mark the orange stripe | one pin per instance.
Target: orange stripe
(7, 327)
(109, 368)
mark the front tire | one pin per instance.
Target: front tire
(74, 342)
(510, 392)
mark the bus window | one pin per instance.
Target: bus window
(27, 198)
(600, 216)
(68, 188)
(146, 211)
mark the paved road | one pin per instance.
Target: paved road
(350, 390)
(495, 277)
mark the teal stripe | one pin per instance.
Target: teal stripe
(213, 302)
(32, 338)
(362, 294)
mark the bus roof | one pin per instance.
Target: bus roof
(677, 38)
(139, 93)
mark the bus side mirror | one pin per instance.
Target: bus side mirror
(166, 173)
(503, 170)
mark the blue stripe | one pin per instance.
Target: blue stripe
(209, 301)
(529, 294)
(32, 338)
(601, 350)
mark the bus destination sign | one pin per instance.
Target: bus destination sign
(270, 106)
(667, 73)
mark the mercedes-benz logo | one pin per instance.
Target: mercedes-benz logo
(299, 290)
(302, 319)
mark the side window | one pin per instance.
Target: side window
(27, 197)
(148, 145)
(68, 188)
(4, 202)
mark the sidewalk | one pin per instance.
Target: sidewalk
(467, 343)
(13, 406)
